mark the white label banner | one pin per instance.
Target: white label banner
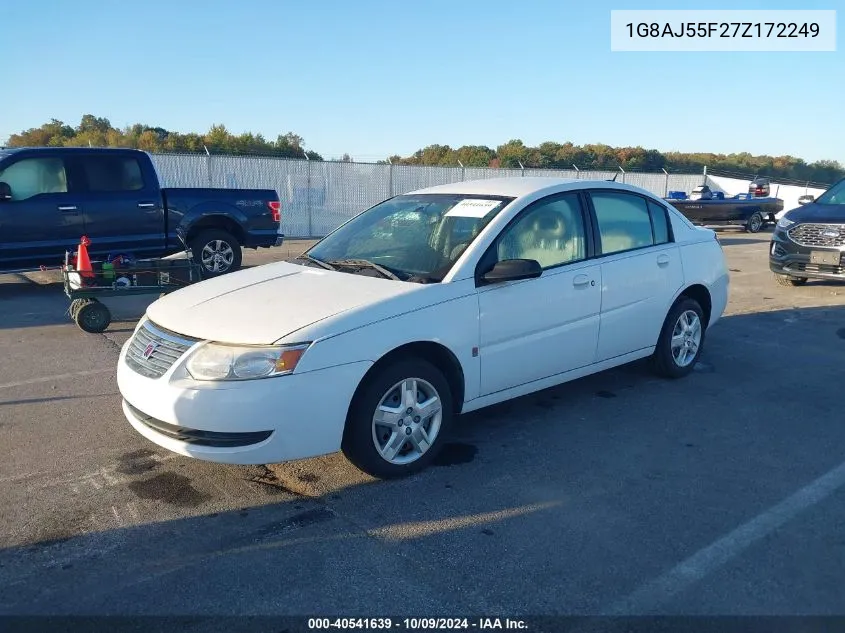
(471, 208)
(723, 30)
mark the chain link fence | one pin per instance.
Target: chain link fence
(318, 196)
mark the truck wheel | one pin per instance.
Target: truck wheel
(755, 223)
(92, 316)
(786, 280)
(217, 251)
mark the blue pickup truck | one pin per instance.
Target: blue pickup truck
(51, 197)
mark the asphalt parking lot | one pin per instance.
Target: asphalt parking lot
(723, 493)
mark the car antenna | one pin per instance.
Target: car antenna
(614, 177)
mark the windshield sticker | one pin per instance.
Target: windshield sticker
(471, 208)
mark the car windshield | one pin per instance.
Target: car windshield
(834, 195)
(409, 237)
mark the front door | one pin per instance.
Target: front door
(43, 219)
(536, 328)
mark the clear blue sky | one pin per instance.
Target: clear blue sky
(374, 78)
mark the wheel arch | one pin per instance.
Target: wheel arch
(435, 353)
(701, 295)
(216, 221)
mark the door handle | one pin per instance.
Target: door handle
(580, 280)
(67, 208)
(146, 205)
(662, 260)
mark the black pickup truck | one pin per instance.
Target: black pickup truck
(51, 197)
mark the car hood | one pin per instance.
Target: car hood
(259, 306)
(814, 212)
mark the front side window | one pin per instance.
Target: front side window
(624, 222)
(550, 232)
(414, 237)
(34, 176)
(112, 173)
(834, 195)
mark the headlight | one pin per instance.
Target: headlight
(783, 223)
(216, 361)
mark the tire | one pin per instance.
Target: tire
(74, 307)
(217, 251)
(755, 223)
(786, 280)
(365, 440)
(92, 316)
(676, 362)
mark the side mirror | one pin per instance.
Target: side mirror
(809, 198)
(513, 270)
(5, 192)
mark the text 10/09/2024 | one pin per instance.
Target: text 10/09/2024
(417, 624)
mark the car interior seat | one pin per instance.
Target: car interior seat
(53, 178)
(549, 236)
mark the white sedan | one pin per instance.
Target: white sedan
(425, 306)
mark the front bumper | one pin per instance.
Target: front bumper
(786, 257)
(246, 422)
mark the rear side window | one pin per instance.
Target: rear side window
(112, 173)
(624, 221)
(659, 222)
(34, 176)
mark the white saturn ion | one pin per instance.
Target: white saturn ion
(425, 306)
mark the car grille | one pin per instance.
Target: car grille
(814, 234)
(153, 350)
(826, 269)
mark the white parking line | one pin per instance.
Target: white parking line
(76, 374)
(648, 598)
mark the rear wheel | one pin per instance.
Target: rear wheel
(398, 419)
(681, 340)
(755, 223)
(217, 251)
(786, 280)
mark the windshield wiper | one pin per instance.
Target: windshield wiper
(364, 263)
(319, 262)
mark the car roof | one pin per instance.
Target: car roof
(519, 186)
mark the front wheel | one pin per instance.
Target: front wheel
(217, 251)
(755, 223)
(681, 340)
(398, 419)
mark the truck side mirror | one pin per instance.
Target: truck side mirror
(5, 192)
(802, 200)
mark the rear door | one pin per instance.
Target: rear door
(123, 212)
(640, 270)
(43, 219)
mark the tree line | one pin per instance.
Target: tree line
(99, 132)
(552, 155)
